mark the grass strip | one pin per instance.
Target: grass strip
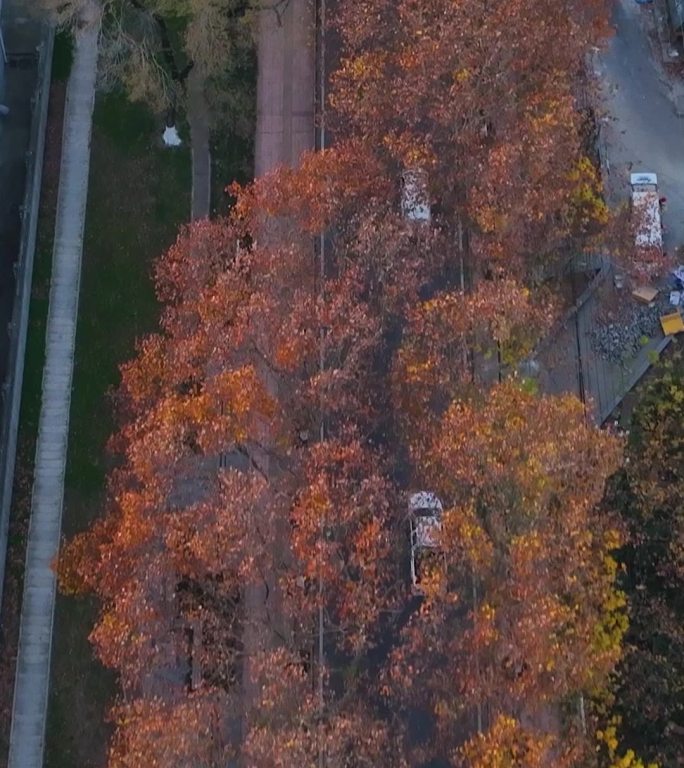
(139, 194)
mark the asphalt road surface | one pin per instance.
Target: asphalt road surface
(640, 126)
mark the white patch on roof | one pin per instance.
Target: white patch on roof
(649, 231)
(427, 530)
(646, 210)
(425, 500)
(415, 204)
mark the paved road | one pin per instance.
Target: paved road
(642, 130)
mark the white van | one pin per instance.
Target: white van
(648, 230)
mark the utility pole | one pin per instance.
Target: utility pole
(477, 655)
(321, 363)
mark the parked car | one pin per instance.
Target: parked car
(415, 203)
(648, 230)
(425, 524)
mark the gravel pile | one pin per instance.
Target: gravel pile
(622, 339)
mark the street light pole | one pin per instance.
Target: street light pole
(321, 363)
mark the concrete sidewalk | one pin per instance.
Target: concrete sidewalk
(198, 119)
(29, 712)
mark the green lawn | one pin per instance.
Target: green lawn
(231, 160)
(138, 197)
(139, 194)
(232, 143)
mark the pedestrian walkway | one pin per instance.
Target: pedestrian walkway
(605, 383)
(198, 119)
(570, 364)
(29, 711)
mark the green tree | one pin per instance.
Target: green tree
(649, 495)
(149, 46)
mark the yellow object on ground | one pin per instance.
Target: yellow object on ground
(672, 323)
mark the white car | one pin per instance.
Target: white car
(425, 523)
(415, 203)
(646, 212)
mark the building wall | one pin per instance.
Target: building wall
(675, 12)
(2, 59)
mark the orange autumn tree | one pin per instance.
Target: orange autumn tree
(434, 360)
(230, 383)
(293, 728)
(344, 533)
(153, 733)
(529, 579)
(482, 96)
(192, 393)
(507, 744)
(179, 539)
(228, 508)
(328, 188)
